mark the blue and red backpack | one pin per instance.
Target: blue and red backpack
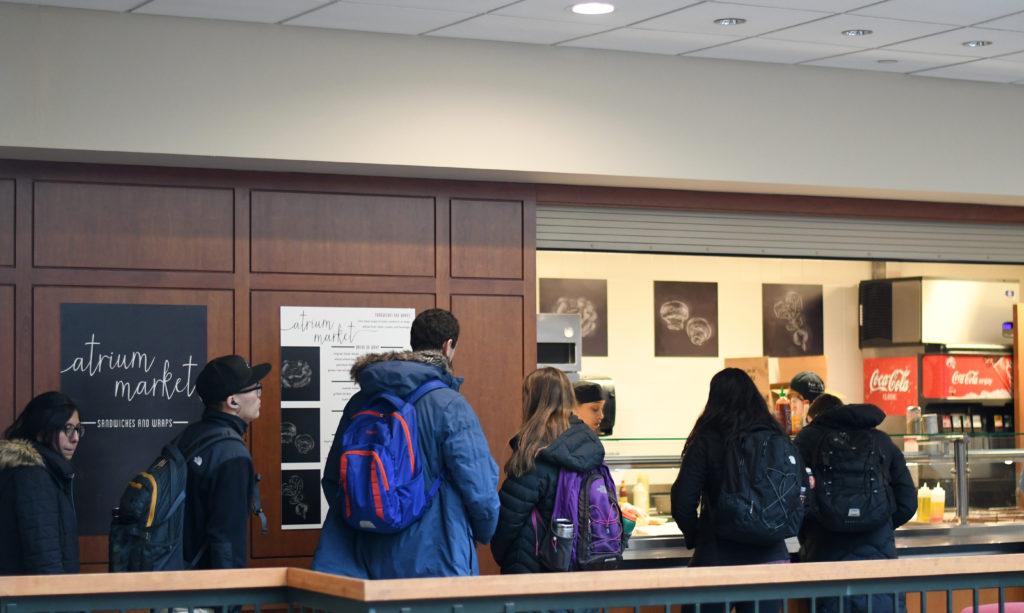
(588, 500)
(382, 487)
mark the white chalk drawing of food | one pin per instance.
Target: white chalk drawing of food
(304, 443)
(674, 313)
(699, 330)
(295, 374)
(288, 432)
(790, 309)
(584, 307)
(292, 489)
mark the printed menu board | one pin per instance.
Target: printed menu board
(318, 347)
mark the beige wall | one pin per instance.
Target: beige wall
(661, 397)
(138, 88)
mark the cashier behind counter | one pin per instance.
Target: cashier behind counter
(589, 403)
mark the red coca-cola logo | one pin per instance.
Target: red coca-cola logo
(971, 377)
(897, 380)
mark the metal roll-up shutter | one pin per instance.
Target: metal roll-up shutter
(665, 231)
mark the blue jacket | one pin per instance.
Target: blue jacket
(452, 445)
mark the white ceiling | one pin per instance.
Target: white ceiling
(918, 37)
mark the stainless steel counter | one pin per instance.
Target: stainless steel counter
(911, 541)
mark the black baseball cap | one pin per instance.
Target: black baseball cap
(808, 384)
(226, 375)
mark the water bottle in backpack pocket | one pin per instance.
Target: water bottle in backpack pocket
(382, 482)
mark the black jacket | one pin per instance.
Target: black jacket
(221, 493)
(514, 543)
(820, 545)
(38, 527)
(697, 486)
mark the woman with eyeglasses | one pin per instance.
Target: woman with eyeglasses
(38, 527)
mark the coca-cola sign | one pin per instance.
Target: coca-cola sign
(966, 376)
(891, 383)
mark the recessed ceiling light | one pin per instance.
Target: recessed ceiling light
(593, 8)
(887, 61)
(977, 43)
(858, 32)
(730, 21)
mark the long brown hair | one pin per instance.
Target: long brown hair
(548, 401)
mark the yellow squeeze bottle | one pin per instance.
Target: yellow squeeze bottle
(924, 500)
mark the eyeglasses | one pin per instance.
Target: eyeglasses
(70, 429)
(258, 388)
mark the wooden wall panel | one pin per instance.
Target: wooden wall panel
(6, 222)
(266, 431)
(342, 234)
(46, 346)
(7, 409)
(487, 239)
(81, 225)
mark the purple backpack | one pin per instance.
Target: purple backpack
(588, 500)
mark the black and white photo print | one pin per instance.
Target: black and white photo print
(685, 319)
(792, 320)
(300, 374)
(588, 298)
(300, 435)
(300, 497)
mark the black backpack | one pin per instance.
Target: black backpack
(147, 529)
(852, 491)
(761, 497)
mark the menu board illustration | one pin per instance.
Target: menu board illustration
(319, 345)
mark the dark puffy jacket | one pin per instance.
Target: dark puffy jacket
(221, 494)
(698, 486)
(452, 446)
(515, 541)
(820, 545)
(38, 527)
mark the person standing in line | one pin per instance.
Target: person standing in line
(734, 406)
(451, 447)
(872, 458)
(38, 525)
(221, 489)
(550, 438)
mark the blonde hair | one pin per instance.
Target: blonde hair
(548, 401)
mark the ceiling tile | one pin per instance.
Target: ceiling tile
(952, 43)
(823, 6)
(459, 6)
(954, 12)
(700, 19)
(829, 31)
(1016, 57)
(377, 18)
(649, 41)
(882, 59)
(518, 30)
(99, 5)
(982, 70)
(266, 11)
(625, 12)
(764, 50)
(1013, 22)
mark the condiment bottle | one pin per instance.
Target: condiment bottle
(938, 505)
(623, 493)
(783, 412)
(641, 493)
(924, 501)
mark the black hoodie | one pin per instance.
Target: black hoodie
(514, 542)
(820, 545)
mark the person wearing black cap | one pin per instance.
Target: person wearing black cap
(38, 526)
(221, 490)
(589, 403)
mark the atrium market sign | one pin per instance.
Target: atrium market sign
(131, 370)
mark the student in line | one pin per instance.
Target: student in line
(38, 526)
(734, 406)
(857, 469)
(551, 437)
